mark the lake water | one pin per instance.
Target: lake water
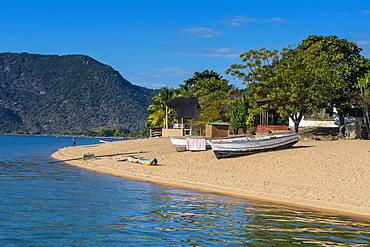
(47, 203)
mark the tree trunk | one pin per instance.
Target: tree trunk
(296, 127)
(275, 117)
(367, 121)
(342, 129)
(296, 120)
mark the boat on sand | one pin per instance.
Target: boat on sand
(182, 144)
(147, 162)
(105, 141)
(230, 148)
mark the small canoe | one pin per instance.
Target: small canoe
(141, 161)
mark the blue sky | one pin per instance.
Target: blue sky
(162, 43)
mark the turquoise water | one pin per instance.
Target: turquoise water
(47, 203)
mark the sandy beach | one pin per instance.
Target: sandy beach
(328, 176)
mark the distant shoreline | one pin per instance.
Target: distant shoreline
(77, 136)
(327, 176)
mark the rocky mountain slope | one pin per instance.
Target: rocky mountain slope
(51, 94)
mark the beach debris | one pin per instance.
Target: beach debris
(88, 156)
(147, 162)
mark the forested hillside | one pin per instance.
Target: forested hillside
(51, 94)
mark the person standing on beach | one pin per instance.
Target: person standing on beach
(74, 141)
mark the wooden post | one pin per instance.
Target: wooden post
(182, 127)
(166, 117)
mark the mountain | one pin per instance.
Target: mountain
(51, 94)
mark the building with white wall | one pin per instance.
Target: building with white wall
(323, 119)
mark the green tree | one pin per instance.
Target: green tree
(106, 132)
(183, 90)
(157, 107)
(195, 83)
(214, 111)
(258, 65)
(343, 59)
(121, 132)
(213, 93)
(238, 114)
(299, 80)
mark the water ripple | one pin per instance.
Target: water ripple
(44, 204)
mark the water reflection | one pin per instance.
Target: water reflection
(206, 218)
(54, 204)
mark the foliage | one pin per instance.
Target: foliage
(238, 114)
(213, 93)
(106, 132)
(300, 80)
(199, 81)
(344, 61)
(258, 65)
(157, 107)
(215, 111)
(73, 93)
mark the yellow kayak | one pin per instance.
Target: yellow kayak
(141, 161)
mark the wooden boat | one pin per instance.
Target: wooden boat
(147, 162)
(230, 148)
(180, 143)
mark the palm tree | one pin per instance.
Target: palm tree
(157, 107)
(183, 90)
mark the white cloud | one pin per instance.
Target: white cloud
(148, 74)
(365, 11)
(212, 52)
(240, 20)
(199, 32)
(276, 19)
(360, 35)
(172, 71)
(206, 55)
(160, 76)
(365, 45)
(363, 42)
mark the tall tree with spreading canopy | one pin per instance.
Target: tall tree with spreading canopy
(344, 60)
(299, 80)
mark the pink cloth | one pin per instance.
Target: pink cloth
(196, 144)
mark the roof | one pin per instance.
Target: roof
(186, 106)
(262, 102)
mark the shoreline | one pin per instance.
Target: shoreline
(324, 176)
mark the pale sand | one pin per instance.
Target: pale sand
(332, 176)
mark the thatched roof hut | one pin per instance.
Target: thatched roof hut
(186, 106)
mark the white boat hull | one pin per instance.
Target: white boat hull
(231, 148)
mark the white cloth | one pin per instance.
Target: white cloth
(195, 144)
